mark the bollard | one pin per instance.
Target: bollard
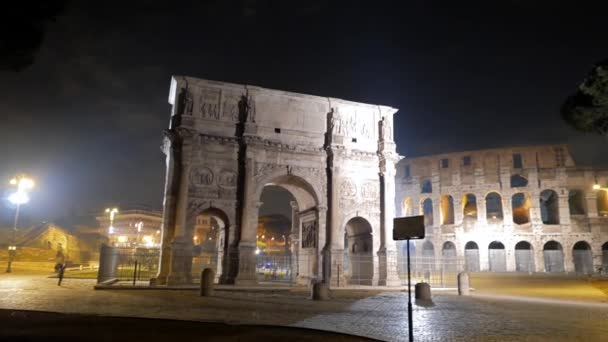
(319, 291)
(463, 284)
(423, 291)
(207, 277)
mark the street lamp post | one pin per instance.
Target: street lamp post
(112, 212)
(139, 226)
(18, 198)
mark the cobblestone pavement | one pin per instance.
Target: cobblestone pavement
(381, 316)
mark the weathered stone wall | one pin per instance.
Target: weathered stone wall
(226, 142)
(551, 176)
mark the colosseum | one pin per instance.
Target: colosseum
(525, 209)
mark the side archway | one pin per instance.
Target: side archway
(494, 206)
(554, 256)
(448, 253)
(359, 241)
(549, 207)
(210, 237)
(471, 256)
(497, 257)
(582, 257)
(524, 257)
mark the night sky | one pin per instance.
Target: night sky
(86, 118)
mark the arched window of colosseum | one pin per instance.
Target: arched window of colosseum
(447, 209)
(576, 202)
(494, 206)
(427, 211)
(549, 207)
(602, 203)
(517, 181)
(426, 187)
(406, 209)
(520, 203)
(469, 206)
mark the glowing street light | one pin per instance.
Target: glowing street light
(596, 187)
(19, 197)
(139, 225)
(112, 212)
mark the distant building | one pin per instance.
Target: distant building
(49, 242)
(525, 209)
(132, 227)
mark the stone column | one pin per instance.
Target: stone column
(294, 238)
(507, 211)
(591, 201)
(510, 254)
(388, 249)
(564, 211)
(568, 257)
(484, 257)
(337, 277)
(482, 211)
(249, 222)
(230, 259)
(181, 246)
(172, 174)
(539, 257)
(458, 209)
(323, 247)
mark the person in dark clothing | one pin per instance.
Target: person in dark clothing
(60, 275)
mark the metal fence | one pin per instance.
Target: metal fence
(127, 264)
(276, 268)
(437, 272)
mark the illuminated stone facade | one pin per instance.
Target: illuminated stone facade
(510, 209)
(226, 142)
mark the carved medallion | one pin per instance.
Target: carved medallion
(201, 176)
(227, 179)
(348, 188)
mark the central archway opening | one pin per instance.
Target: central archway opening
(358, 241)
(274, 235)
(209, 242)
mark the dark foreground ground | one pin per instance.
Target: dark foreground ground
(45, 326)
(502, 308)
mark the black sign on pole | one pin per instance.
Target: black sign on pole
(409, 228)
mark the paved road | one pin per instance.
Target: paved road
(381, 316)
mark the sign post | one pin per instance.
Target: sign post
(409, 228)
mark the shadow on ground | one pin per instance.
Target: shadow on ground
(46, 326)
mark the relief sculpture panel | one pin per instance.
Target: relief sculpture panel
(309, 234)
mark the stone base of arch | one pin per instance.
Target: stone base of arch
(247, 265)
(229, 266)
(337, 277)
(387, 268)
(181, 262)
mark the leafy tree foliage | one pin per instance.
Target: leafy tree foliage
(587, 109)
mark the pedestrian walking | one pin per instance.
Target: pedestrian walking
(61, 271)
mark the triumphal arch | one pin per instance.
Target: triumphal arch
(226, 142)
